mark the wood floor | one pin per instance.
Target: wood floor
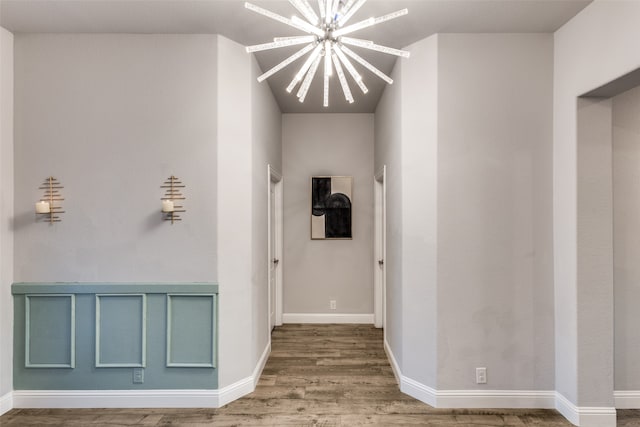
(317, 375)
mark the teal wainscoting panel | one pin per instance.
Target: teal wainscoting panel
(191, 330)
(115, 336)
(121, 330)
(49, 331)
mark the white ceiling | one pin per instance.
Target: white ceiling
(232, 20)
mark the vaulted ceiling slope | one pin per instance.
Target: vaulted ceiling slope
(230, 19)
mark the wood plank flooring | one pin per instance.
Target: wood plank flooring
(317, 375)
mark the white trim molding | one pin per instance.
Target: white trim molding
(627, 399)
(327, 318)
(257, 372)
(392, 360)
(119, 398)
(6, 403)
(539, 399)
(585, 416)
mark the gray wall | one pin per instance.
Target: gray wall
(6, 214)
(266, 150)
(406, 142)
(112, 116)
(388, 143)
(249, 138)
(495, 276)
(474, 195)
(584, 60)
(626, 229)
(318, 271)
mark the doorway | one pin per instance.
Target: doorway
(380, 255)
(275, 264)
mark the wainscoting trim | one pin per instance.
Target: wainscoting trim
(327, 318)
(627, 399)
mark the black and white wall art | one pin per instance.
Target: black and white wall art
(331, 207)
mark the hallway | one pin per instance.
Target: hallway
(317, 375)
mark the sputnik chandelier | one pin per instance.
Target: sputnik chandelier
(326, 37)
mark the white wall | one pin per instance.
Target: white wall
(495, 276)
(112, 116)
(626, 227)
(318, 271)
(266, 150)
(249, 138)
(594, 48)
(419, 153)
(467, 125)
(234, 182)
(388, 134)
(6, 215)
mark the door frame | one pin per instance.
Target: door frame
(380, 248)
(274, 180)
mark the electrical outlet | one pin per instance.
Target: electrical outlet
(481, 375)
(332, 304)
(138, 375)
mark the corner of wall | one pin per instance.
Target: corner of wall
(6, 215)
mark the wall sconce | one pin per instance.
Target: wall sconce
(46, 205)
(170, 202)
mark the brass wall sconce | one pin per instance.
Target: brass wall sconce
(47, 204)
(171, 206)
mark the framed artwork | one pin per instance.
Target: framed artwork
(331, 207)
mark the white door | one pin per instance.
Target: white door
(275, 218)
(274, 262)
(379, 262)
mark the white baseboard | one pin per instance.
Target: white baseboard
(394, 363)
(419, 391)
(585, 416)
(6, 403)
(539, 399)
(257, 372)
(327, 318)
(116, 398)
(627, 399)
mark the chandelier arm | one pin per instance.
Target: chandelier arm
(369, 22)
(322, 8)
(304, 11)
(275, 17)
(286, 62)
(280, 44)
(347, 6)
(304, 88)
(327, 71)
(354, 27)
(366, 44)
(312, 13)
(350, 68)
(334, 9)
(327, 11)
(343, 80)
(366, 64)
(350, 12)
(306, 27)
(303, 70)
